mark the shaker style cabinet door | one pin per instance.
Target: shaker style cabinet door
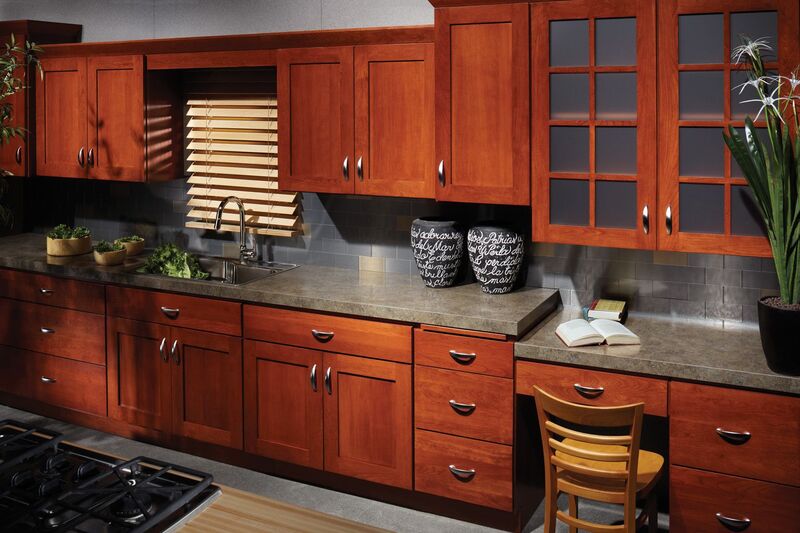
(483, 104)
(61, 145)
(368, 419)
(283, 402)
(394, 120)
(594, 123)
(115, 147)
(315, 120)
(705, 204)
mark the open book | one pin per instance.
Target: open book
(579, 332)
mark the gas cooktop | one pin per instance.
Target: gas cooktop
(47, 485)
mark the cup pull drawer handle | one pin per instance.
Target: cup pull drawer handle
(588, 392)
(462, 408)
(171, 312)
(733, 524)
(47, 330)
(322, 336)
(462, 358)
(733, 437)
(45, 379)
(462, 474)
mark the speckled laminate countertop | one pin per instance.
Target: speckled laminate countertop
(670, 348)
(398, 297)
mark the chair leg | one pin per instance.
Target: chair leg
(573, 511)
(551, 495)
(652, 513)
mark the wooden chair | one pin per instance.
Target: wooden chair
(598, 466)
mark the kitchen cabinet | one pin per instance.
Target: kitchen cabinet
(594, 123)
(483, 104)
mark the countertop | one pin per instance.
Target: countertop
(669, 348)
(397, 297)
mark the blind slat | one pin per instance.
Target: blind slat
(244, 102)
(271, 125)
(252, 219)
(233, 183)
(234, 171)
(244, 148)
(254, 160)
(228, 112)
(220, 135)
(275, 232)
(217, 193)
(210, 204)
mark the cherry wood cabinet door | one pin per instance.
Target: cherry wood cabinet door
(368, 420)
(394, 120)
(315, 119)
(138, 367)
(704, 202)
(116, 118)
(483, 104)
(61, 118)
(207, 386)
(594, 123)
(283, 402)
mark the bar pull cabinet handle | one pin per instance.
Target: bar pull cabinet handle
(313, 377)
(18, 155)
(328, 386)
(322, 336)
(90, 157)
(46, 292)
(462, 358)
(360, 169)
(81, 156)
(162, 350)
(588, 392)
(669, 220)
(440, 172)
(171, 312)
(646, 219)
(47, 330)
(346, 168)
(733, 437)
(462, 408)
(47, 380)
(462, 474)
(733, 524)
(174, 352)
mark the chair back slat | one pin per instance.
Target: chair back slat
(591, 472)
(592, 455)
(568, 433)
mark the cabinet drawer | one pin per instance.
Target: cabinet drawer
(58, 292)
(490, 484)
(215, 316)
(770, 452)
(53, 330)
(697, 496)
(379, 340)
(487, 404)
(592, 387)
(469, 354)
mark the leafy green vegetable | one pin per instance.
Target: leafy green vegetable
(169, 260)
(105, 246)
(130, 238)
(62, 231)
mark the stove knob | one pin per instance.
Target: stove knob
(85, 469)
(21, 478)
(48, 486)
(55, 461)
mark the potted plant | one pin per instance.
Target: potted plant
(772, 170)
(109, 253)
(65, 241)
(133, 244)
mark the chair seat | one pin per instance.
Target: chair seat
(648, 471)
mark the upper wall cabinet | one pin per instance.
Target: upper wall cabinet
(594, 122)
(90, 118)
(704, 202)
(483, 104)
(356, 120)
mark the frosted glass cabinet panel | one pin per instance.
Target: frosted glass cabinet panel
(615, 97)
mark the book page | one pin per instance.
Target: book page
(578, 332)
(614, 332)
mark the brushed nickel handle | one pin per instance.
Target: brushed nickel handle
(90, 157)
(162, 351)
(314, 378)
(18, 155)
(669, 220)
(171, 312)
(47, 330)
(346, 168)
(463, 358)
(322, 336)
(588, 392)
(462, 408)
(360, 169)
(328, 386)
(47, 380)
(440, 172)
(733, 524)
(81, 156)
(462, 474)
(174, 352)
(46, 292)
(733, 437)
(646, 219)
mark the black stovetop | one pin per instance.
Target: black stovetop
(47, 485)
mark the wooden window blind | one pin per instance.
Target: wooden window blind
(233, 151)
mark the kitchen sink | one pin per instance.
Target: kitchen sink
(232, 272)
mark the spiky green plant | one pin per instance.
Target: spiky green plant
(772, 170)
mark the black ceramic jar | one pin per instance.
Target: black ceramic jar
(438, 247)
(496, 255)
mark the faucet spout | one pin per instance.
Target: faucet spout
(244, 251)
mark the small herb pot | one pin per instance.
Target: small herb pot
(133, 247)
(116, 257)
(69, 247)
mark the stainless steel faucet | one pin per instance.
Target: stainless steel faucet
(245, 253)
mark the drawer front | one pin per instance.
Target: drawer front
(16, 371)
(58, 292)
(379, 340)
(697, 496)
(215, 316)
(592, 387)
(490, 484)
(469, 354)
(490, 419)
(772, 450)
(53, 330)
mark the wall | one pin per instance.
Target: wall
(355, 232)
